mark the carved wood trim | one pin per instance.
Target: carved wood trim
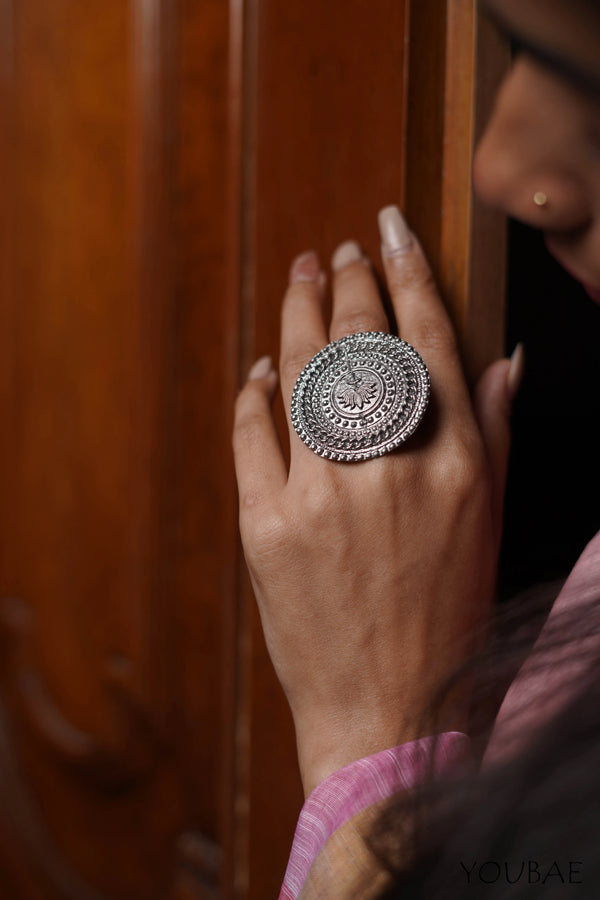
(199, 861)
(19, 811)
(144, 676)
(7, 278)
(99, 766)
(150, 178)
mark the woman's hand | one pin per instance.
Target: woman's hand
(371, 577)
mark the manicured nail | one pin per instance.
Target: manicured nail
(261, 368)
(347, 253)
(396, 236)
(515, 372)
(305, 267)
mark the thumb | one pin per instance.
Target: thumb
(494, 395)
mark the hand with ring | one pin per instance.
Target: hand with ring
(373, 577)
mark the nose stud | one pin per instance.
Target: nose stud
(540, 198)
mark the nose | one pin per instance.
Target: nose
(527, 149)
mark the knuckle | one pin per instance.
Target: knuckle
(319, 501)
(249, 500)
(292, 364)
(419, 277)
(248, 430)
(264, 535)
(301, 292)
(348, 274)
(464, 469)
(410, 271)
(354, 323)
(246, 398)
(298, 296)
(353, 278)
(252, 506)
(437, 338)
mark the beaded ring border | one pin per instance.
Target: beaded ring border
(360, 397)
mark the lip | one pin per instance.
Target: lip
(593, 292)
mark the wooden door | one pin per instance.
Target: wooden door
(161, 162)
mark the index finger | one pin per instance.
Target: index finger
(420, 312)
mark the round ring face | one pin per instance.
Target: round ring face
(360, 397)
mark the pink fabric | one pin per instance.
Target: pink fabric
(358, 786)
(553, 673)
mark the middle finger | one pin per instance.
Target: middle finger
(357, 304)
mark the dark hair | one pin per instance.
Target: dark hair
(527, 826)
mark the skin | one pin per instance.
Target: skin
(544, 133)
(374, 580)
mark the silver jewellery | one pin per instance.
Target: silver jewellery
(540, 198)
(360, 397)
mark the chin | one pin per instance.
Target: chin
(592, 291)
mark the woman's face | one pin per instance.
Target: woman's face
(544, 135)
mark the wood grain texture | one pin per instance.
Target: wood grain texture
(120, 531)
(328, 139)
(484, 329)
(204, 377)
(473, 241)
(162, 162)
(425, 124)
(456, 63)
(345, 113)
(324, 138)
(86, 410)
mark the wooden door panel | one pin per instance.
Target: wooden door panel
(347, 112)
(162, 161)
(325, 138)
(117, 559)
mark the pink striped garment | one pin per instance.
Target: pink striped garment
(359, 785)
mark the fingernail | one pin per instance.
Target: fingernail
(347, 253)
(305, 267)
(396, 236)
(515, 372)
(261, 368)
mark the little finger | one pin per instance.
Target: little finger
(259, 463)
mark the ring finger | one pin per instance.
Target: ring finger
(357, 303)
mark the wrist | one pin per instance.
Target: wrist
(325, 747)
(327, 742)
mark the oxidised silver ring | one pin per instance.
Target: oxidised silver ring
(360, 397)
